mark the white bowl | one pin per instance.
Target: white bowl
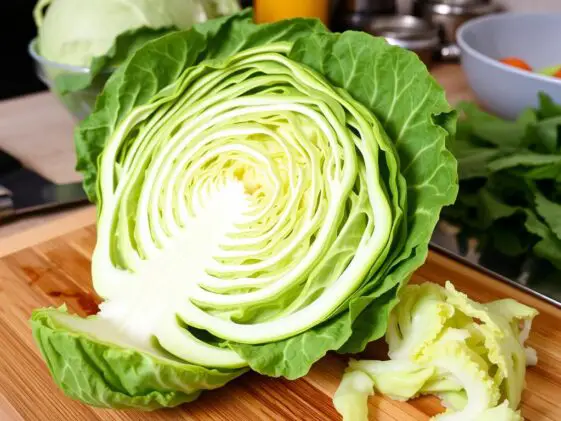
(500, 88)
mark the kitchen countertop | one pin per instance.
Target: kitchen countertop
(37, 130)
(57, 272)
(46, 261)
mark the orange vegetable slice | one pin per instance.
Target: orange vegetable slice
(516, 62)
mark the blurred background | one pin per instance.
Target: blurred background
(17, 75)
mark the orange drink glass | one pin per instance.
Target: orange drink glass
(273, 10)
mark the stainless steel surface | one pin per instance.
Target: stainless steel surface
(450, 52)
(369, 7)
(449, 15)
(519, 273)
(6, 203)
(355, 14)
(408, 32)
(24, 192)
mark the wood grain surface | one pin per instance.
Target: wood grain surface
(58, 271)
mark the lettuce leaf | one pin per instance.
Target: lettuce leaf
(510, 187)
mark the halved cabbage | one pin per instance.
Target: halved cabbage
(263, 192)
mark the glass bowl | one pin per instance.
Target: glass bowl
(79, 103)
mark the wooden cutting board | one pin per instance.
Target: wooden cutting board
(59, 271)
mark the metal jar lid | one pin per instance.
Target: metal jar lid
(461, 7)
(355, 14)
(368, 7)
(405, 31)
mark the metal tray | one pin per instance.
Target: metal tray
(520, 273)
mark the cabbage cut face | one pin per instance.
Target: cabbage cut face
(261, 184)
(255, 209)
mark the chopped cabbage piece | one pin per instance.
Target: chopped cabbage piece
(471, 355)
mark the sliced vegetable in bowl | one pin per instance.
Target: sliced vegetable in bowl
(516, 62)
(263, 192)
(554, 71)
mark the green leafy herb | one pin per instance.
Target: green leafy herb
(510, 180)
(263, 192)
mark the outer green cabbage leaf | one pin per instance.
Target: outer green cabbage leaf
(101, 67)
(116, 374)
(381, 77)
(293, 357)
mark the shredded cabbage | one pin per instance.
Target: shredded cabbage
(471, 355)
(263, 193)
